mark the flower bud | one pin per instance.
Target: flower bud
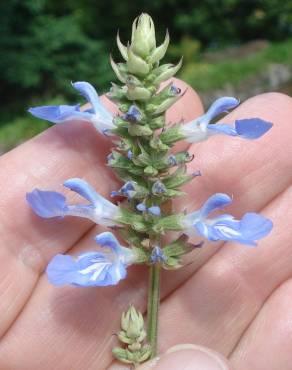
(160, 51)
(143, 35)
(167, 73)
(122, 48)
(138, 93)
(119, 70)
(136, 64)
(132, 323)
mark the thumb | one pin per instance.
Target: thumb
(187, 357)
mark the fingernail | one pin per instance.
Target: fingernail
(188, 357)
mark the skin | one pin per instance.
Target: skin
(233, 299)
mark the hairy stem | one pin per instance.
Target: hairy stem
(153, 307)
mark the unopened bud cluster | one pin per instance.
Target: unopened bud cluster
(132, 335)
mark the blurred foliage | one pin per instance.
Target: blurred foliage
(42, 53)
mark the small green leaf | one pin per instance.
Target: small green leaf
(178, 247)
(138, 130)
(132, 219)
(172, 222)
(172, 135)
(150, 171)
(178, 178)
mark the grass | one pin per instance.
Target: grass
(19, 130)
(201, 75)
(206, 76)
(23, 128)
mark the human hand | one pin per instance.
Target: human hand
(233, 299)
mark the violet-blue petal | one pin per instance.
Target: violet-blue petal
(175, 90)
(247, 231)
(141, 207)
(255, 226)
(158, 188)
(128, 189)
(59, 113)
(47, 204)
(221, 105)
(216, 201)
(130, 154)
(90, 269)
(222, 128)
(154, 210)
(61, 270)
(88, 92)
(252, 128)
(107, 239)
(82, 188)
(157, 255)
(172, 160)
(133, 114)
(221, 229)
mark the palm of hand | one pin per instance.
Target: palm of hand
(233, 299)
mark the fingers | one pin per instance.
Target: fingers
(267, 342)
(188, 357)
(27, 241)
(225, 295)
(252, 172)
(64, 151)
(82, 317)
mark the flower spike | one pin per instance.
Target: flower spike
(98, 115)
(49, 204)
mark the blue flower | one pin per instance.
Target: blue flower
(172, 160)
(133, 114)
(174, 90)
(92, 268)
(98, 115)
(50, 204)
(200, 129)
(248, 230)
(127, 190)
(154, 210)
(130, 154)
(158, 188)
(157, 255)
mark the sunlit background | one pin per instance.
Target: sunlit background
(230, 47)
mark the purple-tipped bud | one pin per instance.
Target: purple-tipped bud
(158, 188)
(130, 154)
(141, 207)
(172, 160)
(154, 210)
(175, 90)
(133, 114)
(196, 173)
(157, 255)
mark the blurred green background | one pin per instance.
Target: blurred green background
(230, 47)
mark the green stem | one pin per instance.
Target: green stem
(153, 307)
